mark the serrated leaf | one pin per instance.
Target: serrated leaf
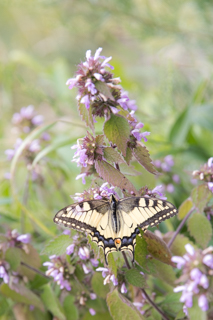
(178, 246)
(165, 272)
(200, 229)
(121, 308)
(51, 302)
(117, 131)
(142, 155)
(98, 286)
(32, 259)
(22, 295)
(99, 139)
(195, 312)
(104, 89)
(200, 196)
(86, 115)
(57, 246)
(134, 277)
(113, 176)
(112, 155)
(70, 310)
(184, 208)
(13, 257)
(112, 265)
(158, 248)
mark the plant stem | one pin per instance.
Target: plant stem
(180, 227)
(145, 293)
(34, 269)
(24, 201)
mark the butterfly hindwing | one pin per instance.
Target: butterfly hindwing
(113, 224)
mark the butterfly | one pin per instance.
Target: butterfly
(113, 224)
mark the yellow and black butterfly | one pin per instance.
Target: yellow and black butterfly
(113, 224)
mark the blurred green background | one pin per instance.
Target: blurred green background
(163, 53)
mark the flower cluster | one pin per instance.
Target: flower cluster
(26, 120)
(96, 193)
(109, 276)
(91, 78)
(205, 173)
(11, 239)
(170, 178)
(197, 269)
(157, 192)
(58, 269)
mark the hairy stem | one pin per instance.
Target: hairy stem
(180, 227)
(145, 293)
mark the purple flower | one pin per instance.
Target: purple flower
(92, 311)
(37, 120)
(204, 282)
(210, 186)
(123, 288)
(94, 262)
(67, 232)
(70, 249)
(208, 260)
(169, 160)
(170, 188)
(158, 190)
(83, 253)
(114, 280)
(91, 87)
(86, 270)
(203, 302)
(10, 154)
(104, 271)
(34, 146)
(4, 274)
(81, 154)
(86, 101)
(82, 175)
(190, 249)
(93, 296)
(27, 112)
(179, 260)
(17, 118)
(24, 238)
(210, 162)
(176, 178)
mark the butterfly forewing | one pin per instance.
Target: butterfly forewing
(115, 229)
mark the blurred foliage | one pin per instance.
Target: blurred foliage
(162, 51)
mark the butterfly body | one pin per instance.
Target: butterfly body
(113, 224)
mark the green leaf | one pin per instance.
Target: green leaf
(112, 265)
(70, 310)
(57, 246)
(117, 131)
(158, 248)
(141, 251)
(51, 302)
(195, 312)
(98, 287)
(113, 176)
(112, 155)
(200, 116)
(22, 295)
(165, 272)
(200, 196)
(129, 170)
(142, 155)
(134, 277)
(121, 308)
(184, 208)
(21, 312)
(104, 89)
(171, 303)
(13, 257)
(4, 305)
(178, 246)
(128, 156)
(97, 316)
(200, 229)
(86, 115)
